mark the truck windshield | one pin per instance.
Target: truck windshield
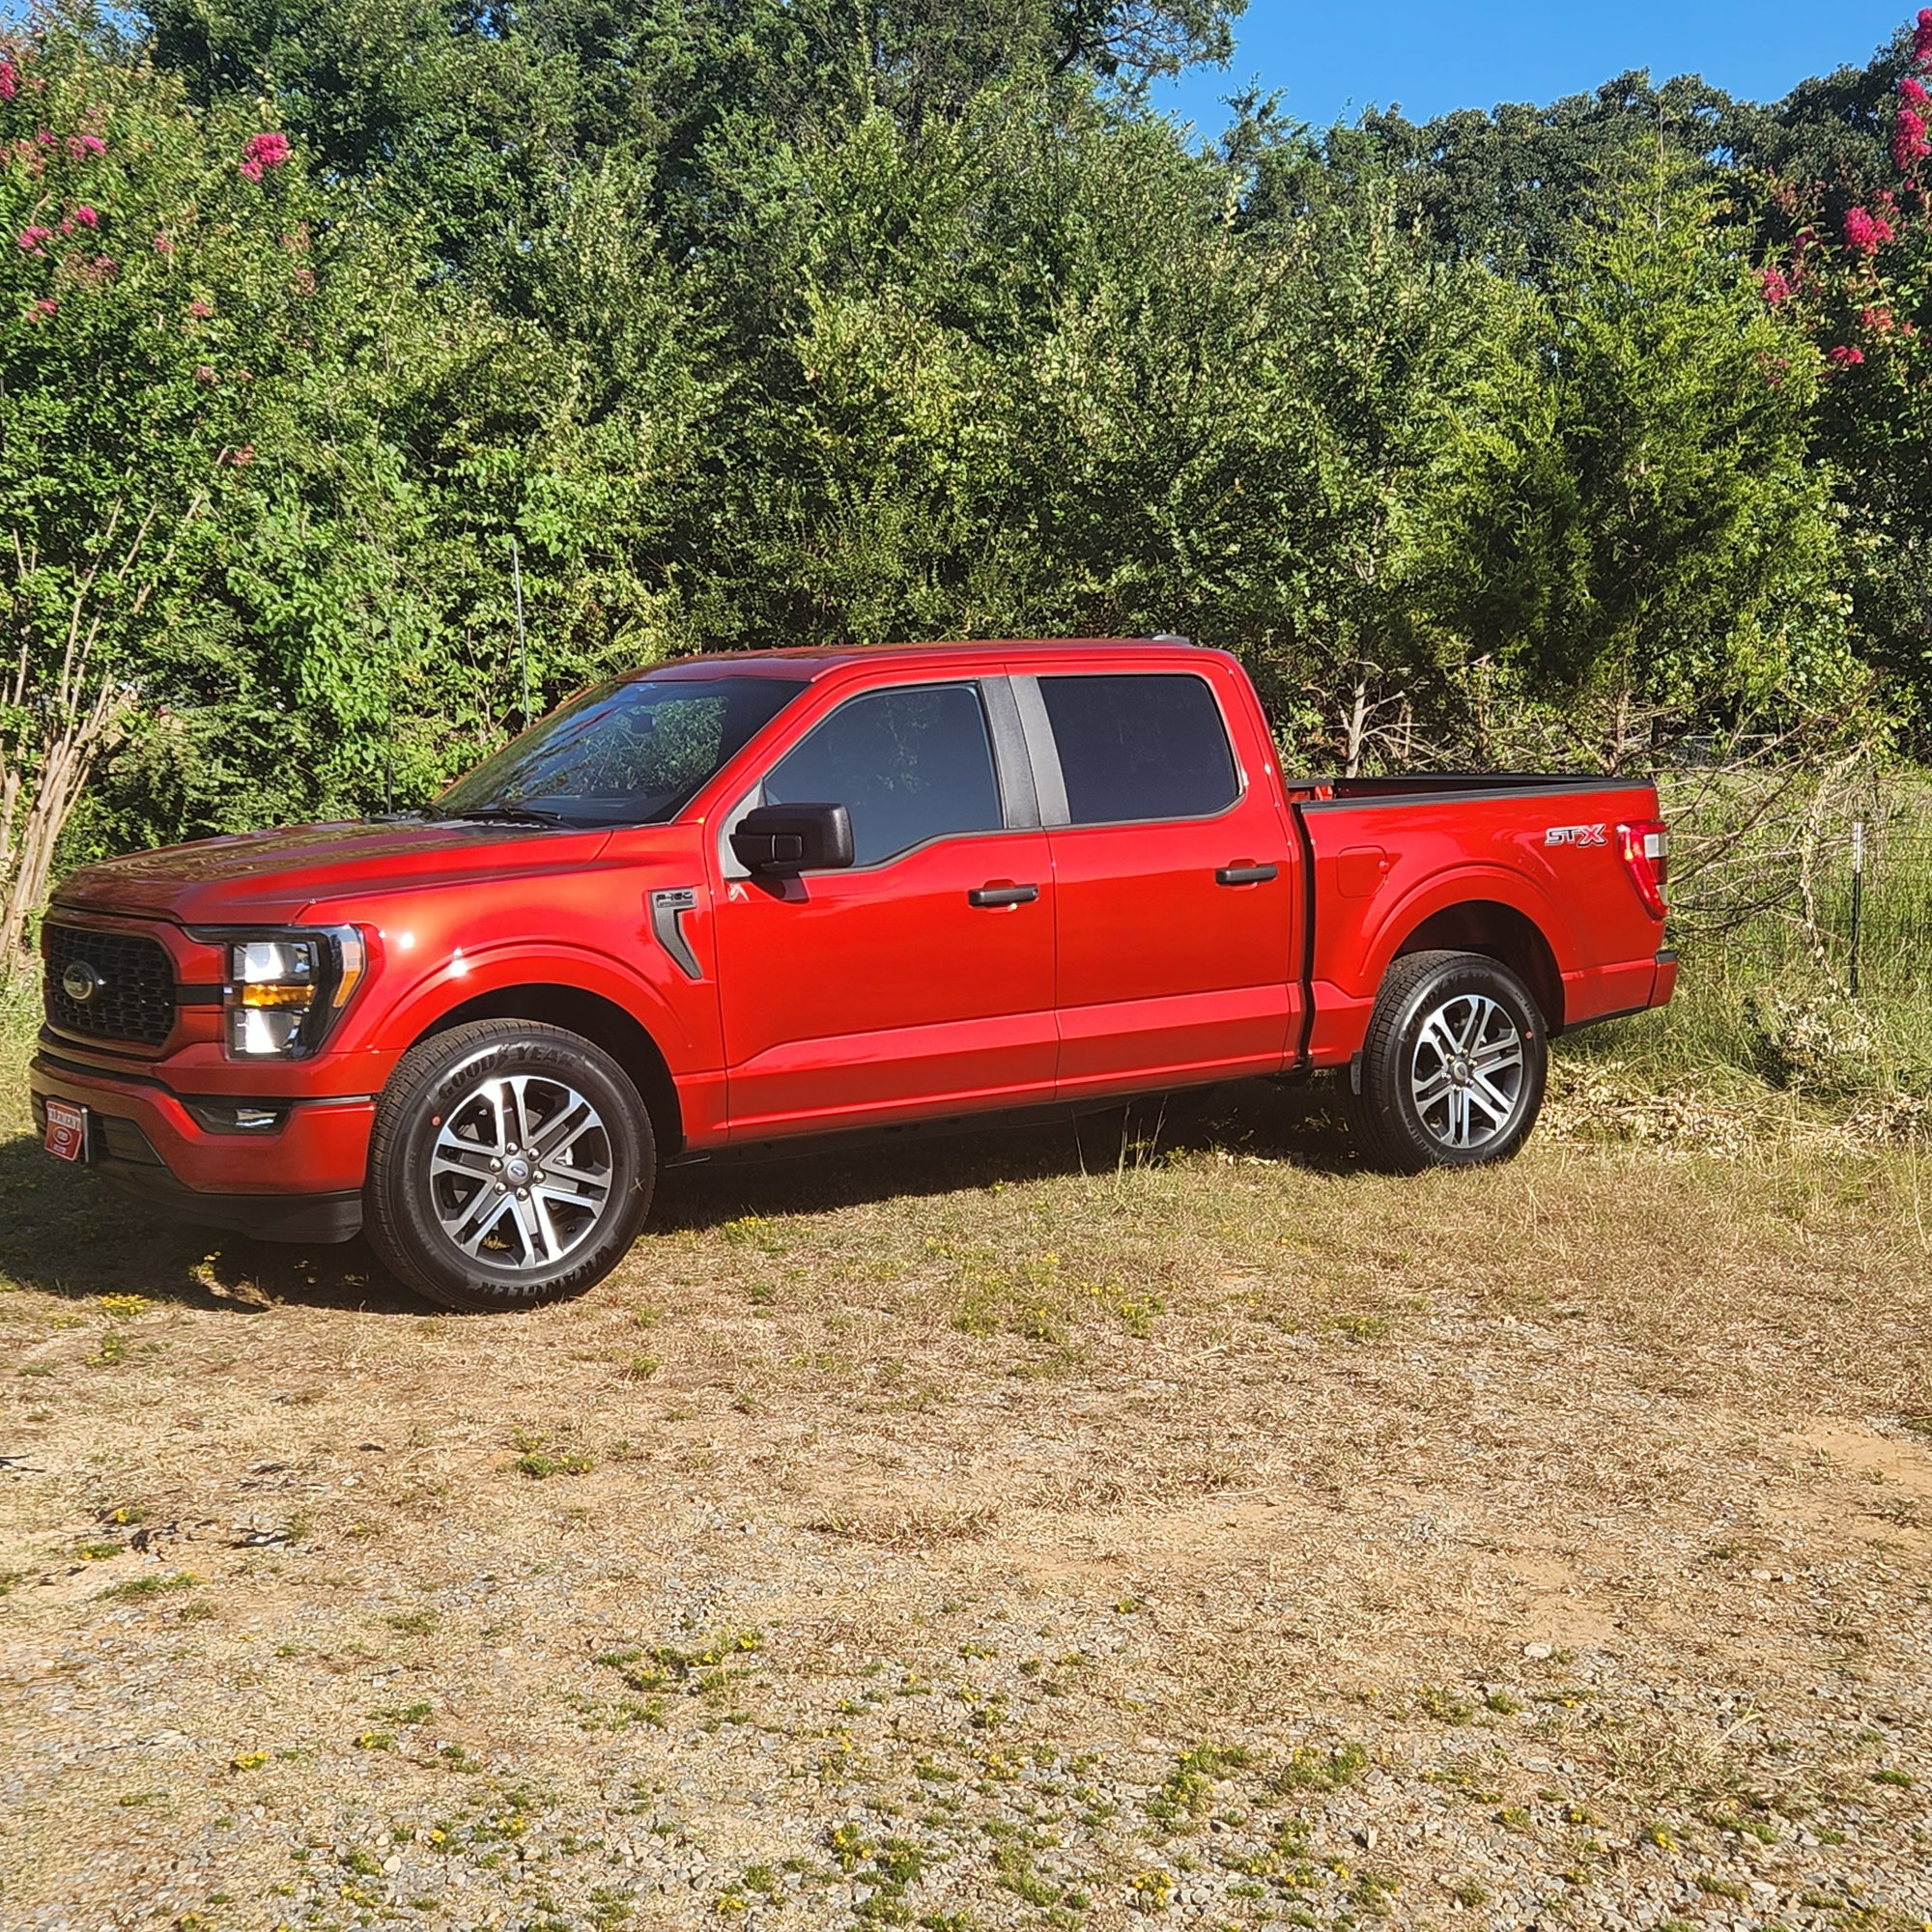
(632, 753)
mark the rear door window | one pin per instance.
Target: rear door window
(911, 764)
(1140, 747)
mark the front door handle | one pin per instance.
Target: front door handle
(1003, 895)
(1243, 875)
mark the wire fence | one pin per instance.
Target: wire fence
(1828, 876)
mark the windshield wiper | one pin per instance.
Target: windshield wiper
(509, 814)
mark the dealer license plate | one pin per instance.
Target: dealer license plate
(66, 1131)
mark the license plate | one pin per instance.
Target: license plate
(66, 1131)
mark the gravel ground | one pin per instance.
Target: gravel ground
(1218, 1541)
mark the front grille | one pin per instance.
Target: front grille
(133, 995)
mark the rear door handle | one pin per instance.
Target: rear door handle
(1244, 875)
(1003, 895)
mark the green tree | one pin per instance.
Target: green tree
(1638, 536)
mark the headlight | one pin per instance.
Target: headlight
(285, 988)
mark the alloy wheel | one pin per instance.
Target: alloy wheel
(1466, 1072)
(521, 1171)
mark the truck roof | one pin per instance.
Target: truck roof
(814, 660)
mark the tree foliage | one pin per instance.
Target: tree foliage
(748, 322)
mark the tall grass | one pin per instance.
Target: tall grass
(1764, 1001)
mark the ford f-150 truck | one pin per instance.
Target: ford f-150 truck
(732, 899)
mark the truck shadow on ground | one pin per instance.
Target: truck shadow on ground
(66, 1233)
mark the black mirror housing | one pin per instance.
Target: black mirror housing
(787, 839)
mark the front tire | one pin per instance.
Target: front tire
(511, 1164)
(1454, 1066)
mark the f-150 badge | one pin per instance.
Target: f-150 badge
(1577, 834)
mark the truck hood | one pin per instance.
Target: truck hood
(257, 877)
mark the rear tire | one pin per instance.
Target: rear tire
(511, 1164)
(1454, 1066)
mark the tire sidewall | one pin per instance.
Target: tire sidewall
(1468, 973)
(424, 1097)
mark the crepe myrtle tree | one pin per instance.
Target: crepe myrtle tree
(155, 275)
(1859, 284)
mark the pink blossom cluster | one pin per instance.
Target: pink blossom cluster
(1867, 233)
(262, 152)
(1846, 356)
(10, 79)
(1909, 143)
(33, 239)
(1775, 286)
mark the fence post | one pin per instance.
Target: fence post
(1858, 897)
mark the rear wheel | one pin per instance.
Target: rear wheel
(512, 1163)
(1453, 1068)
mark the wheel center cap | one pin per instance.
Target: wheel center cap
(1459, 1071)
(517, 1170)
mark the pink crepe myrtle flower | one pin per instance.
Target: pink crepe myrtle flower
(80, 146)
(163, 245)
(88, 218)
(1846, 356)
(200, 310)
(1775, 285)
(1909, 143)
(10, 79)
(31, 240)
(262, 152)
(48, 304)
(1921, 39)
(1912, 89)
(45, 137)
(1865, 233)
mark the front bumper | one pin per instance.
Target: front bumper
(300, 1181)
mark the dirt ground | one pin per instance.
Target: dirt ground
(1148, 1523)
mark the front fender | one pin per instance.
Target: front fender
(465, 975)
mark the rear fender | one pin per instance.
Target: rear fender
(1467, 885)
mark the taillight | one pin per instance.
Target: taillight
(1645, 847)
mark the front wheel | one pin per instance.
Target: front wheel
(511, 1163)
(1453, 1069)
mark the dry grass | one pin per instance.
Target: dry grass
(1041, 1529)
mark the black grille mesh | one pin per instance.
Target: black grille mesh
(136, 996)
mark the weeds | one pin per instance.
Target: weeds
(144, 1589)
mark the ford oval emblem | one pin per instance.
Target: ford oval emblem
(80, 982)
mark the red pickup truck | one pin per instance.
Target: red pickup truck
(732, 899)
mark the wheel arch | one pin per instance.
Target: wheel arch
(1499, 933)
(595, 1018)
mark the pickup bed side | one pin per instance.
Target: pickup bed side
(1525, 871)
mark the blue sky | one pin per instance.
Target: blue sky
(1331, 58)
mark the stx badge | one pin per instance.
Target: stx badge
(1577, 834)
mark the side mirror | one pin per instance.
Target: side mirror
(786, 838)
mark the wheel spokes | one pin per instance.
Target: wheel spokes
(1466, 1072)
(521, 1172)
